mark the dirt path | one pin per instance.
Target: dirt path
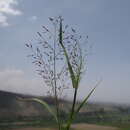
(92, 127)
(34, 129)
(77, 127)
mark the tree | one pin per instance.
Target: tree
(60, 59)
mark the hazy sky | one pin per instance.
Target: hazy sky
(106, 22)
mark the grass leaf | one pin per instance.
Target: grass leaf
(67, 57)
(42, 103)
(86, 99)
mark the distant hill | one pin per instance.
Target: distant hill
(11, 107)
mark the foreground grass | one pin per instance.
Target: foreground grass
(121, 126)
(82, 126)
(48, 124)
(125, 127)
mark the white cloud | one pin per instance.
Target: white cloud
(33, 18)
(16, 81)
(3, 20)
(6, 8)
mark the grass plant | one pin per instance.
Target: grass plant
(60, 59)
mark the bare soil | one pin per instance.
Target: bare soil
(31, 128)
(92, 127)
(76, 127)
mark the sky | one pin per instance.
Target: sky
(106, 22)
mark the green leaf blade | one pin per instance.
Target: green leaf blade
(42, 103)
(86, 99)
(67, 57)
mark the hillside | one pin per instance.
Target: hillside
(12, 108)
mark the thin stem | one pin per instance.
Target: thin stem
(55, 84)
(73, 109)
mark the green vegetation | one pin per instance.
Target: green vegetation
(64, 47)
(99, 115)
(92, 113)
